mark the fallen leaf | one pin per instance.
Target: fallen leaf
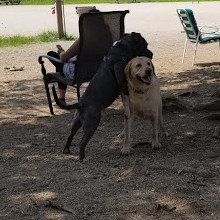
(165, 207)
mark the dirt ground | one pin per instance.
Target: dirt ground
(179, 181)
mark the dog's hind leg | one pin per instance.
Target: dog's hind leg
(75, 127)
(127, 139)
(155, 140)
(160, 121)
(90, 124)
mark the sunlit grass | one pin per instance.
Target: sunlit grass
(18, 40)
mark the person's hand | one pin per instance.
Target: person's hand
(60, 49)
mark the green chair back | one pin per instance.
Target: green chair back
(189, 23)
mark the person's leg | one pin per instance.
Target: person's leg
(62, 92)
(59, 68)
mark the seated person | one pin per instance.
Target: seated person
(67, 69)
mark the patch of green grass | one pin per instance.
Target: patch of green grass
(51, 2)
(18, 40)
(37, 2)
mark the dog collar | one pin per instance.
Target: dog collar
(108, 59)
(115, 43)
(138, 91)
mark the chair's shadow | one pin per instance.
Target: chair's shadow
(208, 64)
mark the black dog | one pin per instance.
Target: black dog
(107, 84)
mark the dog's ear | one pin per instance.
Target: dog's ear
(149, 54)
(153, 68)
(127, 69)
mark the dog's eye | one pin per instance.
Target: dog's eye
(138, 65)
(148, 63)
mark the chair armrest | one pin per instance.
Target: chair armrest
(48, 57)
(40, 60)
(213, 29)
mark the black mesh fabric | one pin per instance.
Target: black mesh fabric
(97, 33)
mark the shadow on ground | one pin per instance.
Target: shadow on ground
(180, 181)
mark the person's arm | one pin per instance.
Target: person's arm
(70, 52)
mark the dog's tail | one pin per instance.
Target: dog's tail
(60, 104)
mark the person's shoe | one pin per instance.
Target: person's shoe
(62, 100)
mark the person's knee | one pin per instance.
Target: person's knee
(62, 86)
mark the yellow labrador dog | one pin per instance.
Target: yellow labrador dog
(144, 99)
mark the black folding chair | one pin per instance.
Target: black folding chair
(97, 33)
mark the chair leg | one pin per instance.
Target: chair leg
(184, 51)
(194, 56)
(48, 97)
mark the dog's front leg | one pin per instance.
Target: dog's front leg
(127, 139)
(155, 140)
(126, 104)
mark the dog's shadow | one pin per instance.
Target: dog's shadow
(141, 144)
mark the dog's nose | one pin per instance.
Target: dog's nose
(148, 71)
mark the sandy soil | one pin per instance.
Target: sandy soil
(179, 181)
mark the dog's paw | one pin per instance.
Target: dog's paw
(85, 160)
(156, 145)
(125, 151)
